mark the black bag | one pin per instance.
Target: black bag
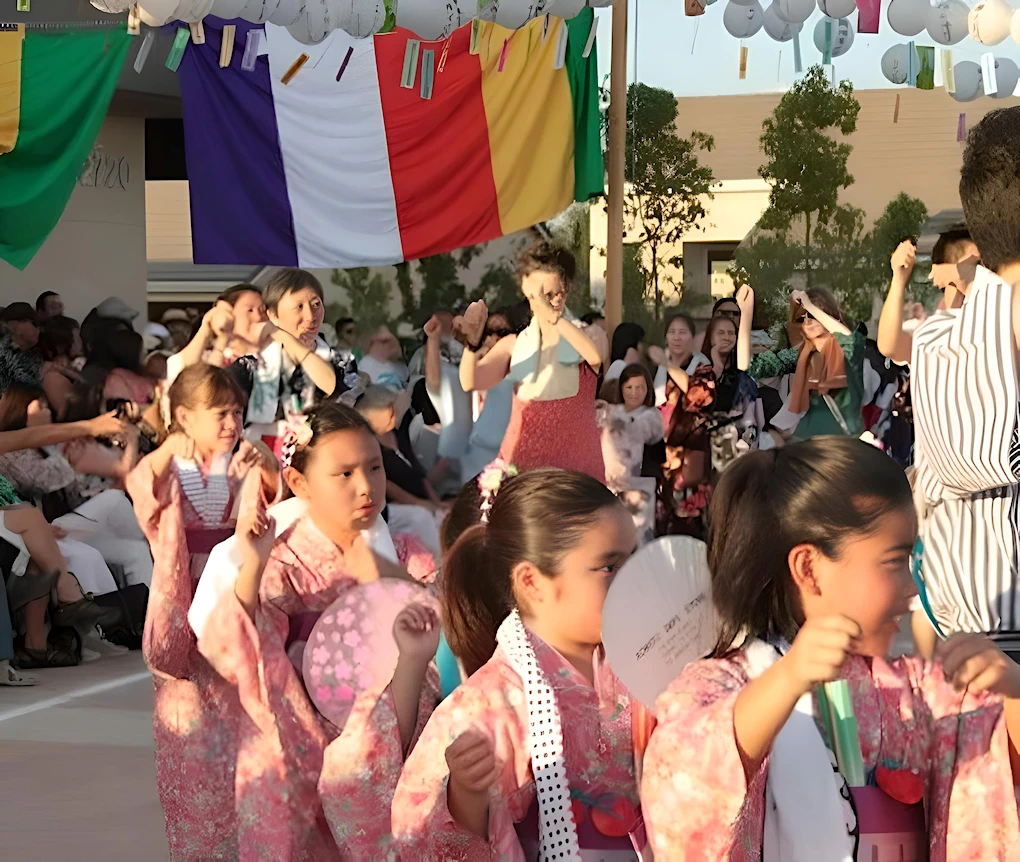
(132, 601)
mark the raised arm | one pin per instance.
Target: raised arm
(482, 374)
(36, 437)
(745, 301)
(829, 322)
(319, 371)
(433, 359)
(893, 342)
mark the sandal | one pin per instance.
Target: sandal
(83, 613)
(10, 676)
(33, 659)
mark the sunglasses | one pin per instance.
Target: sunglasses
(500, 333)
(728, 313)
(804, 317)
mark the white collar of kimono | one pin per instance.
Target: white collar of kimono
(209, 494)
(557, 831)
(224, 564)
(265, 390)
(808, 814)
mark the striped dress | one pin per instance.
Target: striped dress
(966, 397)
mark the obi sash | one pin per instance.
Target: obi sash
(201, 540)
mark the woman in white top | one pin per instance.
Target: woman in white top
(679, 352)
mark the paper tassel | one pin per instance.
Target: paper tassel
(911, 64)
(961, 129)
(173, 59)
(896, 110)
(227, 44)
(502, 55)
(251, 50)
(693, 8)
(591, 38)
(561, 46)
(197, 32)
(948, 76)
(428, 66)
(347, 59)
(143, 51)
(694, 38)
(476, 35)
(988, 74)
(926, 67)
(827, 44)
(869, 13)
(545, 29)
(295, 67)
(444, 55)
(24, 5)
(779, 66)
(743, 62)
(798, 63)
(410, 64)
(134, 23)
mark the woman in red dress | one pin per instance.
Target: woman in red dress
(554, 363)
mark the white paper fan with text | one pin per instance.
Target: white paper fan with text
(658, 615)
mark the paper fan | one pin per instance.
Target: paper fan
(658, 615)
(351, 648)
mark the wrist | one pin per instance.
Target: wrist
(787, 684)
(412, 663)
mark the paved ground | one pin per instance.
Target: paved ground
(77, 779)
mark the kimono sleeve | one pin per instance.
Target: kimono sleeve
(697, 803)
(150, 494)
(650, 425)
(422, 824)
(415, 557)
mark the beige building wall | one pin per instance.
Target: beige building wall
(98, 247)
(167, 221)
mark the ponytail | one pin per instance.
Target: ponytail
(821, 492)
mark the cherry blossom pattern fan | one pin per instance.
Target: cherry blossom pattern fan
(351, 648)
(658, 615)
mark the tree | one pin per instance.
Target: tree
(668, 185)
(368, 299)
(805, 167)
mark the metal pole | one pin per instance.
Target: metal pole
(617, 159)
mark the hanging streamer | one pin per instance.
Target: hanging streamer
(173, 59)
(743, 62)
(251, 50)
(948, 76)
(197, 32)
(410, 64)
(502, 55)
(779, 66)
(798, 63)
(827, 44)
(476, 35)
(347, 59)
(561, 46)
(444, 55)
(926, 67)
(24, 5)
(961, 129)
(227, 44)
(428, 68)
(911, 64)
(869, 13)
(591, 38)
(134, 21)
(545, 29)
(143, 51)
(694, 40)
(295, 67)
(896, 110)
(988, 74)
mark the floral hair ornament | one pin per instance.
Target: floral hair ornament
(489, 482)
(299, 433)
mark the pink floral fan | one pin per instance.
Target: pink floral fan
(351, 648)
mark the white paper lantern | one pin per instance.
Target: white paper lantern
(512, 14)
(1007, 74)
(1014, 26)
(316, 23)
(287, 12)
(228, 9)
(947, 21)
(777, 28)
(794, 11)
(191, 11)
(114, 7)
(565, 9)
(425, 18)
(155, 13)
(989, 21)
(837, 8)
(746, 3)
(968, 80)
(742, 22)
(260, 11)
(362, 18)
(908, 17)
(842, 36)
(895, 62)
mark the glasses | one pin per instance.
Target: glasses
(804, 317)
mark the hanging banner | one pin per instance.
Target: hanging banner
(869, 13)
(925, 67)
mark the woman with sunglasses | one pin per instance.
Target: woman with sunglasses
(727, 308)
(553, 364)
(828, 385)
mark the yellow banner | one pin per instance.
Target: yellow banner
(11, 40)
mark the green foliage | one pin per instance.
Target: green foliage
(668, 188)
(368, 299)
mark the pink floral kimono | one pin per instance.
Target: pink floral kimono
(196, 713)
(597, 750)
(698, 806)
(306, 789)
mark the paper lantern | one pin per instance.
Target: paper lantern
(794, 11)
(427, 19)
(1006, 77)
(967, 77)
(316, 23)
(565, 9)
(512, 14)
(288, 12)
(777, 28)
(1014, 26)
(114, 7)
(895, 63)
(155, 13)
(228, 9)
(742, 22)
(908, 17)
(191, 11)
(947, 21)
(362, 18)
(745, 3)
(989, 21)
(837, 8)
(260, 11)
(842, 36)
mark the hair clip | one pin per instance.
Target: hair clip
(489, 482)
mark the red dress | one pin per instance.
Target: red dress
(560, 433)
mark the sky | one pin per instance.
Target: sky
(697, 57)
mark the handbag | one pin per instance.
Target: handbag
(132, 601)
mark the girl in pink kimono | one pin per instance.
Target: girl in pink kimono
(810, 545)
(522, 609)
(307, 789)
(184, 494)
